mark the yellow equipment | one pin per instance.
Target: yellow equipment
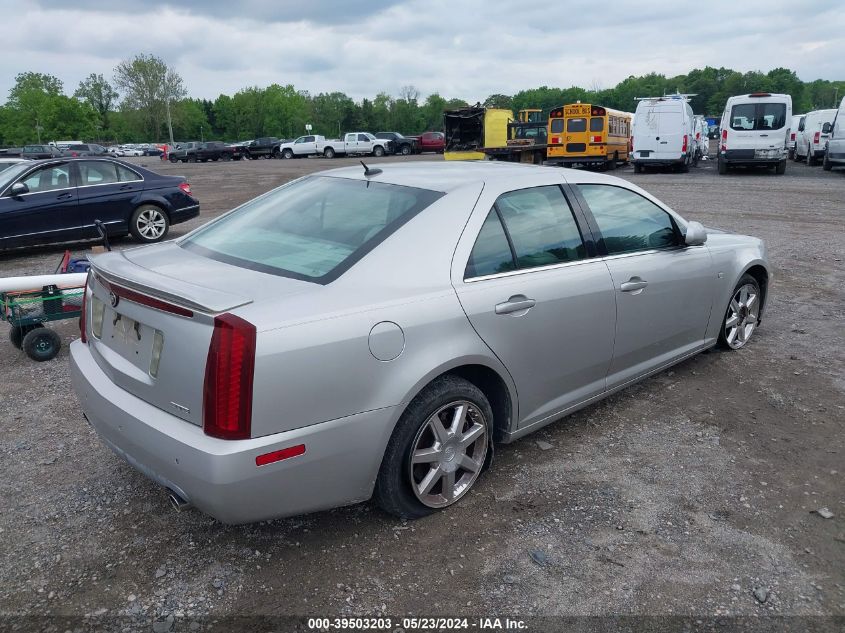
(468, 130)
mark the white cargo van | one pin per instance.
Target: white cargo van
(810, 142)
(755, 128)
(663, 133)
(794, 127)
(834, 155)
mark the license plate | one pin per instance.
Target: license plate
(126, 330)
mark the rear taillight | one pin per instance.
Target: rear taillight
(82, 317)
(556, 140)
(684, 145)
(184, 186)
(816, 138)
(724, 140)
(597, 139)
(792, 136)
(227, 392)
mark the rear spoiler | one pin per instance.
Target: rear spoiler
(115, 268)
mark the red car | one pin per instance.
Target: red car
(432, 142)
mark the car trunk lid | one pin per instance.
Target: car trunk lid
(152, 317)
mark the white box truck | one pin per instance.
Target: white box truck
(755, 130)
(663, 133)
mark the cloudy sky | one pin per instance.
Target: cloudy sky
(459, 48)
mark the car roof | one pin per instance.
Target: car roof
(447, 176)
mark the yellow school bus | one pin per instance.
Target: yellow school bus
(468, 130)
(588, 134)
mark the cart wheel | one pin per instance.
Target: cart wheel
(41, 344)
(17, 332)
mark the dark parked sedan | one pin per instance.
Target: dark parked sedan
(58, 200)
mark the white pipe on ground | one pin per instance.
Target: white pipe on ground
(37, 282)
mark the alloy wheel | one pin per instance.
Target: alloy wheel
(151, 223)
(448, 453)
(742, 316)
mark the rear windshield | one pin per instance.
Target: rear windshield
(313, 229)
(758, 116)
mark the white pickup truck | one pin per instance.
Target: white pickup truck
(303, 146)
(354, 143)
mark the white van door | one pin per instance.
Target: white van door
(757, 125)
(671, 131)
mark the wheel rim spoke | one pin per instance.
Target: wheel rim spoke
(469, 464)
(732, 321)
(472, 435)
(448, 486)
(440, 431)
(425, 486)
(458, 419)
(426, 456)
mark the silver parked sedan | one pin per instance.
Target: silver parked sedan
(371, 333)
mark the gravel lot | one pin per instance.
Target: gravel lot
(689, 494)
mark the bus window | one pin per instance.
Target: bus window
(576, 125)
(596, 124)
(557, 126)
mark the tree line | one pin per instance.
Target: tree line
(146, 99)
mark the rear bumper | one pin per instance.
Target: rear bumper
(184, 214)
(576, 160)
(658, 162)
(836, 157)
(748, 157)
(220, 477)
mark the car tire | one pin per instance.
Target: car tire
(226, 157)
(723, 167)
(780, 168)
(173, 159)
(684, 167)
(192, 159)
(378, 151)
(41, 344)
(791, 154)
(149, 224)
(638, 168)
(742, 314)
(328, 152)
(18, 332)
(826, 164)
(287, 154)
(811, 160)
(411, 490)
(405, 150)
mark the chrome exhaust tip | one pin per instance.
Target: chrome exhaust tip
(177, 502)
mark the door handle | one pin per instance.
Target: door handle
(634, 285)
(517, 303)
(125, 187)
(64, 196)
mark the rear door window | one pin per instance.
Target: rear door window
(96, 173)
(759, 116)
(596, 124)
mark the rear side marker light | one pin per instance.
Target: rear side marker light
(185, 187)
(277, 456)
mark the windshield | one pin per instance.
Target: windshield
(11, 173)
(313, 229)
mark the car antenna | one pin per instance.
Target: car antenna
(370, 171)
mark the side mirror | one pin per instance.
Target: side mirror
(18, 189)
(826, 128)
(696, 234)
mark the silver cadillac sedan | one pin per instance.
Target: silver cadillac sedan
(370, 332)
